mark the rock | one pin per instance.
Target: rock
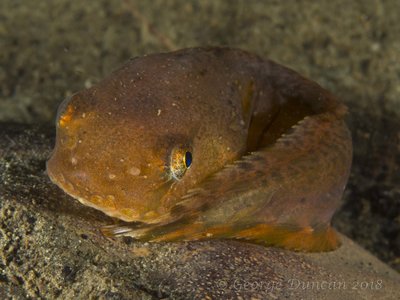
(51, 247)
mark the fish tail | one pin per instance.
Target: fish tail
(307, 239)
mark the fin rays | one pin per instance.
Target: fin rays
(298, 239)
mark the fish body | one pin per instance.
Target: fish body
(207, 143)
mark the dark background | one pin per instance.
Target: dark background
(50, 49)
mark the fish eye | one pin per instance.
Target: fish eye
(181, 160)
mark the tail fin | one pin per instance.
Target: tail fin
(302, 239)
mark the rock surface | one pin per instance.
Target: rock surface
(51, 247)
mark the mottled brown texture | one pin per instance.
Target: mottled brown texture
(114, 144)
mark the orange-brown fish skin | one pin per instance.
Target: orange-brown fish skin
(271, 152)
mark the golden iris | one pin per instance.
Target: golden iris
(181, 160)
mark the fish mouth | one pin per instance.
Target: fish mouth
(79, 186)
(87, 197)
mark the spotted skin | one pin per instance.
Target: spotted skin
(270, 152)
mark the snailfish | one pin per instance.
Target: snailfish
(207, 143)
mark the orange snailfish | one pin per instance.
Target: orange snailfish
(207, 143)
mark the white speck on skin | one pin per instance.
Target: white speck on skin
(112, 176)
(134, 171)
(74, 161)
(158, 112)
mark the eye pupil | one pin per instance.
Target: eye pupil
(188, 159)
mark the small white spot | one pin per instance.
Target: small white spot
(74, 161)
(83, 115)
(134, 171)
(228, 148)
(112, 176)
(158, 112)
